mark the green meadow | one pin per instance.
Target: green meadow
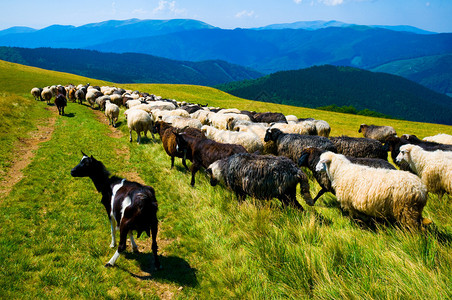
(55, 235)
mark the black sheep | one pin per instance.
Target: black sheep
(291, 145)
(261, 176)
(360, 147)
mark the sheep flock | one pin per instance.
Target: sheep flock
(275, 152)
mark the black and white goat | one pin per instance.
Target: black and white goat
(130, 205)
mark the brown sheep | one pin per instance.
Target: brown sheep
(204, 152)
(379, 133)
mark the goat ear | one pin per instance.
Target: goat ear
(83, 153)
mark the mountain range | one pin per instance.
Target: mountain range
(128, 67)
(267, 49)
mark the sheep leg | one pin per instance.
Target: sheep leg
(304, 191)
(154, 230)
(290, 198)
(132, 241)
(139, 137)
(130, 135)
(240, 196)
(320, 193)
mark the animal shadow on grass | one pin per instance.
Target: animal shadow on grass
(442, 236)
(69, 115)
(361, 220)
(180, 167)
(144, 140)
(174, 269)
(321, 219)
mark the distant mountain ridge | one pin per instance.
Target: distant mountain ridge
(269, 51)
(314, 25)
(128, 67)
(328, 85)
(67, 36)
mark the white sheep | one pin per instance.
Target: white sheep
(162, 105)
(248, 140)
(107, 90)
(182, 122)
(139, 121)
(229, 111)
(111, 112)
(221, 121)
(383, 193)
(132, 103)
(441, 138)
(36, 93)
(92, 95)
(433, 167)
(322, 127)
(259, 129)
(46, 94)
(307, 128)
(292, 119)
(54, 90)
(164, 113)
(202, 115)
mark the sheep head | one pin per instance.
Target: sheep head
(324, 162)
(214, 173)
(404, 154)
(362, 128)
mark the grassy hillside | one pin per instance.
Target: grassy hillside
(328, 85)
(54, 238)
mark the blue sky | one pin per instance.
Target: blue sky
(433, 15)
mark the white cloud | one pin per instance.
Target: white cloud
(332, 2)
(244, 13)
(168, 6)
(297, 1)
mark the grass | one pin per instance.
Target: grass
(54, 238)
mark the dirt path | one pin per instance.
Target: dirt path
(25, 150)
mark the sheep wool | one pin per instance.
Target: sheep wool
(139, 121)
(250, 141)
(433, 167)
(391, 194)
(261, 176)
(111, 112)
(441, 138)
